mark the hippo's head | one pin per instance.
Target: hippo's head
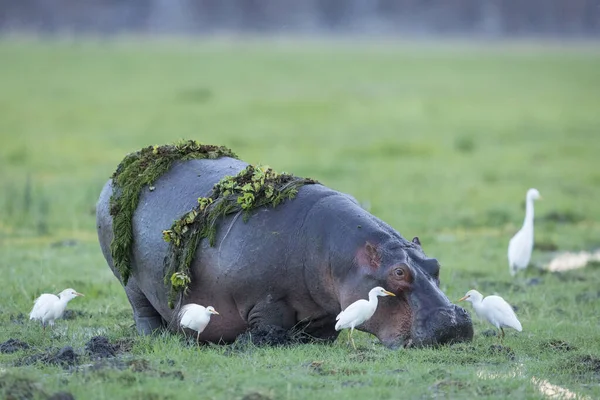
(420, 314)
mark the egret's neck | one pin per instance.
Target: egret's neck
(477, 304)
(528, 213)
(373, 299)
(62, 301)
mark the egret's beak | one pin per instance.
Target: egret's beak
(215, 312)
(389, 293)
(463, 298)
(79, 294)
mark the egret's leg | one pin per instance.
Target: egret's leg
(351, 338)
(501, 336)
(198, 337)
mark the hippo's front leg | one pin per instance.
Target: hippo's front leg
(270, 322)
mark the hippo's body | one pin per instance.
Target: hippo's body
(293, 266)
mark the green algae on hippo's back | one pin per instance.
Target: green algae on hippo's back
(251, 188)
(138, 170)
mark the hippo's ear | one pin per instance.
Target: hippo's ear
(416, 241)
(369, 255)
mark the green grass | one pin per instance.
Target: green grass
(442, 141)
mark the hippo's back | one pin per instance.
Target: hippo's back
(173, 194)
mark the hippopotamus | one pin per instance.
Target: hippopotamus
(293, 266)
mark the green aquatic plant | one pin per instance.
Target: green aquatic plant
(138, 170)
(251, 188)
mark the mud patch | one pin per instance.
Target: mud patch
(580, 366)
(12, 346)
(489, 333)
(321, 368)
(557, 345)
(571, 276)
(534, 281)
(75, 314)
(61, 396)
(256, 396)
(271, 335)
(545, 246)
(100, 347)
(65, 357)
(498, 349)
(13, 387)
(17, 319)
(562, 217)
(588, 297)
(590, 363)
(446, 385)
(137, 365)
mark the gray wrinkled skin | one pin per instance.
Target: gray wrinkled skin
(294, 266)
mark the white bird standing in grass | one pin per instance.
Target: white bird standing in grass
(521, 245)
(359, 311)
(49, 307)
(195, 317)
(494, 309)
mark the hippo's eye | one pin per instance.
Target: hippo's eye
(399, 272)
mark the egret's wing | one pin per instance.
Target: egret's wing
(502, 312)
(42, 305)
(520, 247)
(351, 312)
(185, 309)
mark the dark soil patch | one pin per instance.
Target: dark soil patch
(75, 314)
(65, 357)
(13, 345)
(562, 217)
(439, 373)
(18, 319)
(61, 396)
(19, 388)
(587, 297)
(256, 396)
(271, 335)
(558, 345)
(580, 366)
(571, 276)
(500, 349)
(447, 384)
(177, 375)
(534, 281)
(545, 246)
(490, 333)
(137, 365)
(100, 347)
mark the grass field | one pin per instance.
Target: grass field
(442, 141)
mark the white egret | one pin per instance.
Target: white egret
(49, 307)
(195, 317)
(494, 309)
(521, 245)
(359, 311)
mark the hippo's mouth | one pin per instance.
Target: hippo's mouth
(441, 326)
